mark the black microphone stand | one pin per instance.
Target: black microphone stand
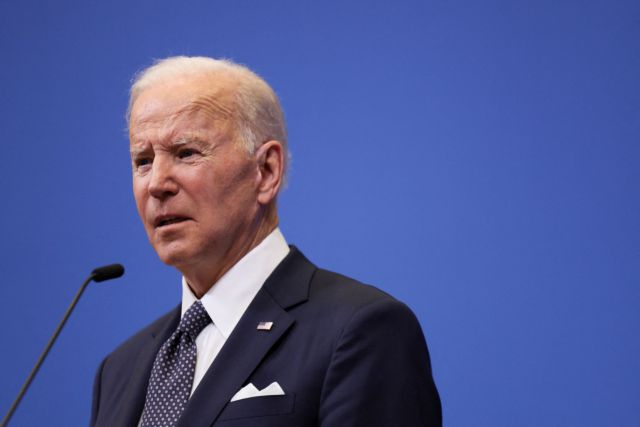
(99, 274)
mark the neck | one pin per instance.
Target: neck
(201, 279)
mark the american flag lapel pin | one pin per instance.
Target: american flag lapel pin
(264, 326)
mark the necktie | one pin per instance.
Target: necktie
(172, 373)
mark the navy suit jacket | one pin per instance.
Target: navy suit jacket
(345, 354)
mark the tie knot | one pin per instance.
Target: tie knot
(194, 320)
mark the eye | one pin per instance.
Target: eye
(186, 153)
(142, 162)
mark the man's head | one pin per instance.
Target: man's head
(208, 147)
(258, 114)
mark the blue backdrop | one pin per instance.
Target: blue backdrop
(478, 160)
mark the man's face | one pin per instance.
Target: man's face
(195, 187)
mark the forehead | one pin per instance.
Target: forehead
(193, 104)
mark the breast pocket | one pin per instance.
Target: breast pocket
(258, 407)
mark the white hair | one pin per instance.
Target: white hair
(257, 117)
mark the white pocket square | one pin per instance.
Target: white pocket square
(250, 390)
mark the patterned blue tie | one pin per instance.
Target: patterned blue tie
(172, 374)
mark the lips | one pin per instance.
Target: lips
(165, 220)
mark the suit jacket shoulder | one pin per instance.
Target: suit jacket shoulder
(377, 369)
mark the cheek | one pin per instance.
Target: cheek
(140, 198)
(223, 205)
(206, 183)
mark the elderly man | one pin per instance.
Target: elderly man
(263, 337)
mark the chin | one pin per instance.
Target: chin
(169, 259)
(171, 255)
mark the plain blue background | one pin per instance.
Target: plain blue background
(477, 159)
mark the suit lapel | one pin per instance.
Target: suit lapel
(132, 402)
(288, 285)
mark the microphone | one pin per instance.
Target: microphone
(108, 272)
(100, 274)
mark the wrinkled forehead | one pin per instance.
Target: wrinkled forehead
(193, 100)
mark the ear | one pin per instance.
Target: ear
(270, 158)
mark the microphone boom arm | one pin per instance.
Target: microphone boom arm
(99, 274)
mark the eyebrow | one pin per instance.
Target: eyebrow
(134, 151)
(184, 140)
(179, 142)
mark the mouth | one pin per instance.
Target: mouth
(166, 220)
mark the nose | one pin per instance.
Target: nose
(162, 183)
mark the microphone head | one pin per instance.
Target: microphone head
(107, 272)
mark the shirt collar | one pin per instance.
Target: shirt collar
(230, 296)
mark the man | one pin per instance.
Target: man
(262, 337)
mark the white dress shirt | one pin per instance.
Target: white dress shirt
(229, 297)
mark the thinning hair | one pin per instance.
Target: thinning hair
(257, 117)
